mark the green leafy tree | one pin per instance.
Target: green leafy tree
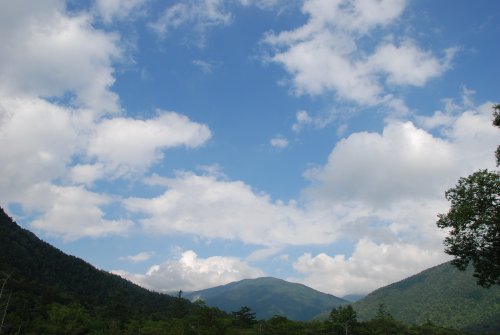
(474, 221)
(68, 319)
(180, 306)
(280, 325)
(384, 324)
(496, 123)
(244, 318)
(342, 320)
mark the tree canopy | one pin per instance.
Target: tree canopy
(496, 123)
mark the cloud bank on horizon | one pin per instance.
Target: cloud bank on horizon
(190, 144)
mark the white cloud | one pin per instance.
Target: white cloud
(212, 207)
(403, 162)
(125, 145)
(262, 254)
(118, 9)
(72, 212)
(371, 266)
(323, 55)
(191, 273)
(199, 15)
(303, 118)
(86, 174)
(407, 64)
(47, 53)
(263, 4)
(140, 257)
(205, 67)
(357, 15)
(35, 153)
(279, 142)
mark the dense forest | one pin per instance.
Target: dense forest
(44, 291)
(442, 294)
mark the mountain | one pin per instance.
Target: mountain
(41, 276)
(443, 295)
(268, 297)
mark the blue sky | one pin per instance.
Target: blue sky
(188, 144)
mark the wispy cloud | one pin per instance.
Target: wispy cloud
(140, 257)
(279, 142)
(197, 16)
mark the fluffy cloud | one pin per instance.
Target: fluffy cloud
(35, 153)
(406, 162)
(72, 212)
(354, 15)
(371, 266)
(212, 207)
(125, 145)
(47, 53)
(403, 162)
(323, 54)
(191, 273)
(407, 64)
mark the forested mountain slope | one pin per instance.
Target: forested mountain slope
(268, 297)
(40, 274)
(442, 295)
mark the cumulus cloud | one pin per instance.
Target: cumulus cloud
(402, 162)
(47, 53)
(35, 153)
(323, 55)
(72, 212)
(213, 207)
(126, 145)
(191, 273)
(369, 267)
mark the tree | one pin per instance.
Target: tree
(180, 306)
(474, 219)
(244, 318)
(342, 320)
(496, 123)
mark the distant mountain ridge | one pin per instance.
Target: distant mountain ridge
(442, 295)
(268, 297)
